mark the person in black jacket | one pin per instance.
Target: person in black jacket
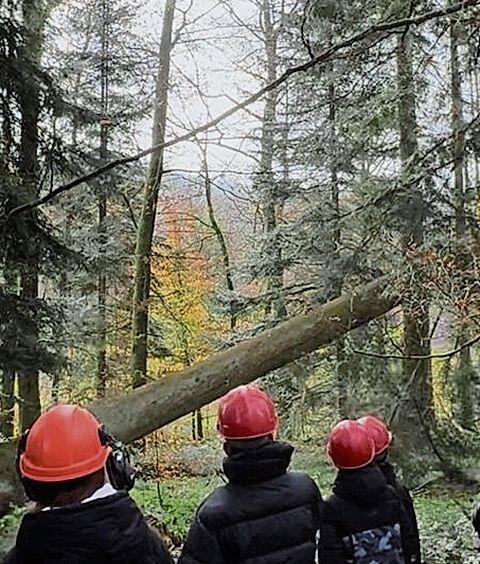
(363, 520)
(265, 514)
(78, 475)
(382, 437)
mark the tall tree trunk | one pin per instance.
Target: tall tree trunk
(269, 191)
(102, 209)
(7, 403)
(220, 238)
(146, 227)
(416, 321)
(336, 279)
(464, 370)
(29, 98)
(8, 377)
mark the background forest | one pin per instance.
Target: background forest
(304, 148)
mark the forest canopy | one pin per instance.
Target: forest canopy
(179, 179)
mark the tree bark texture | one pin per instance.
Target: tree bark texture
(416, 321)
(146, 227)
(34, 15)
(271, 206)
(464, 372)
(7, 403)
(221, 241)
(101, 352)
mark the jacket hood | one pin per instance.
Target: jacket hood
(388, 471)
(259, 464)
(365, 486)
(88, 529)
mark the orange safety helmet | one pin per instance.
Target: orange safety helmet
(63, 444)
(246, 413)
(349, 446)
(378, 431)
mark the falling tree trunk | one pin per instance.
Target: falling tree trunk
(464, 370)
(158, 403)
(266, 177)
(173, 396)
(221, 241)
(102, 209)
(146, 227)
(29, 100)
(418, 402)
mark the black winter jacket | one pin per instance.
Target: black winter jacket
(361, 500)
(389, 473)
(264, 515)
(110, 530)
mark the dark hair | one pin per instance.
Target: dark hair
(46, 493)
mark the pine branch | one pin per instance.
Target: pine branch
(386, 27)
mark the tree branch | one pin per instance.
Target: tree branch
(446, 354)
(325, 55)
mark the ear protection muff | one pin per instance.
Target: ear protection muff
(119, 469)
(22, 445)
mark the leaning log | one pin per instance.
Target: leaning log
(154, 405)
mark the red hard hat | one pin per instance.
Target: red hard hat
(246, 413)
(378, 431)
(349, 446)
(63, 444)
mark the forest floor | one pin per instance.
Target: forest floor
(169, 504)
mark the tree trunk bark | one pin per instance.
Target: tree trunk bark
(221, 240)
(341, 368)
(29, 100)
(102, 302)
(102, 211)
(464, 370)
(161, 402)
(267, 183)
(7, 404)
(416, 321)
(158, 403)
(146, 227)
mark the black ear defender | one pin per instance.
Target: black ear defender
(22, 445)
(119, 469)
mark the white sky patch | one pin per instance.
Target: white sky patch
(207, 54)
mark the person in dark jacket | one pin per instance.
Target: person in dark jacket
(265, 514)
(363, 520)
(78, 475)
(382, 437)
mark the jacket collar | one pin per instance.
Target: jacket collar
(266, 462)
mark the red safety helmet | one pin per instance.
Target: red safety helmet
(246, 413)
(349, 446)
(378, 431)
(63, 444)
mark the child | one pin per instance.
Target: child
(382, 437)
(364, 521)
(265, 514)
(77, 475)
